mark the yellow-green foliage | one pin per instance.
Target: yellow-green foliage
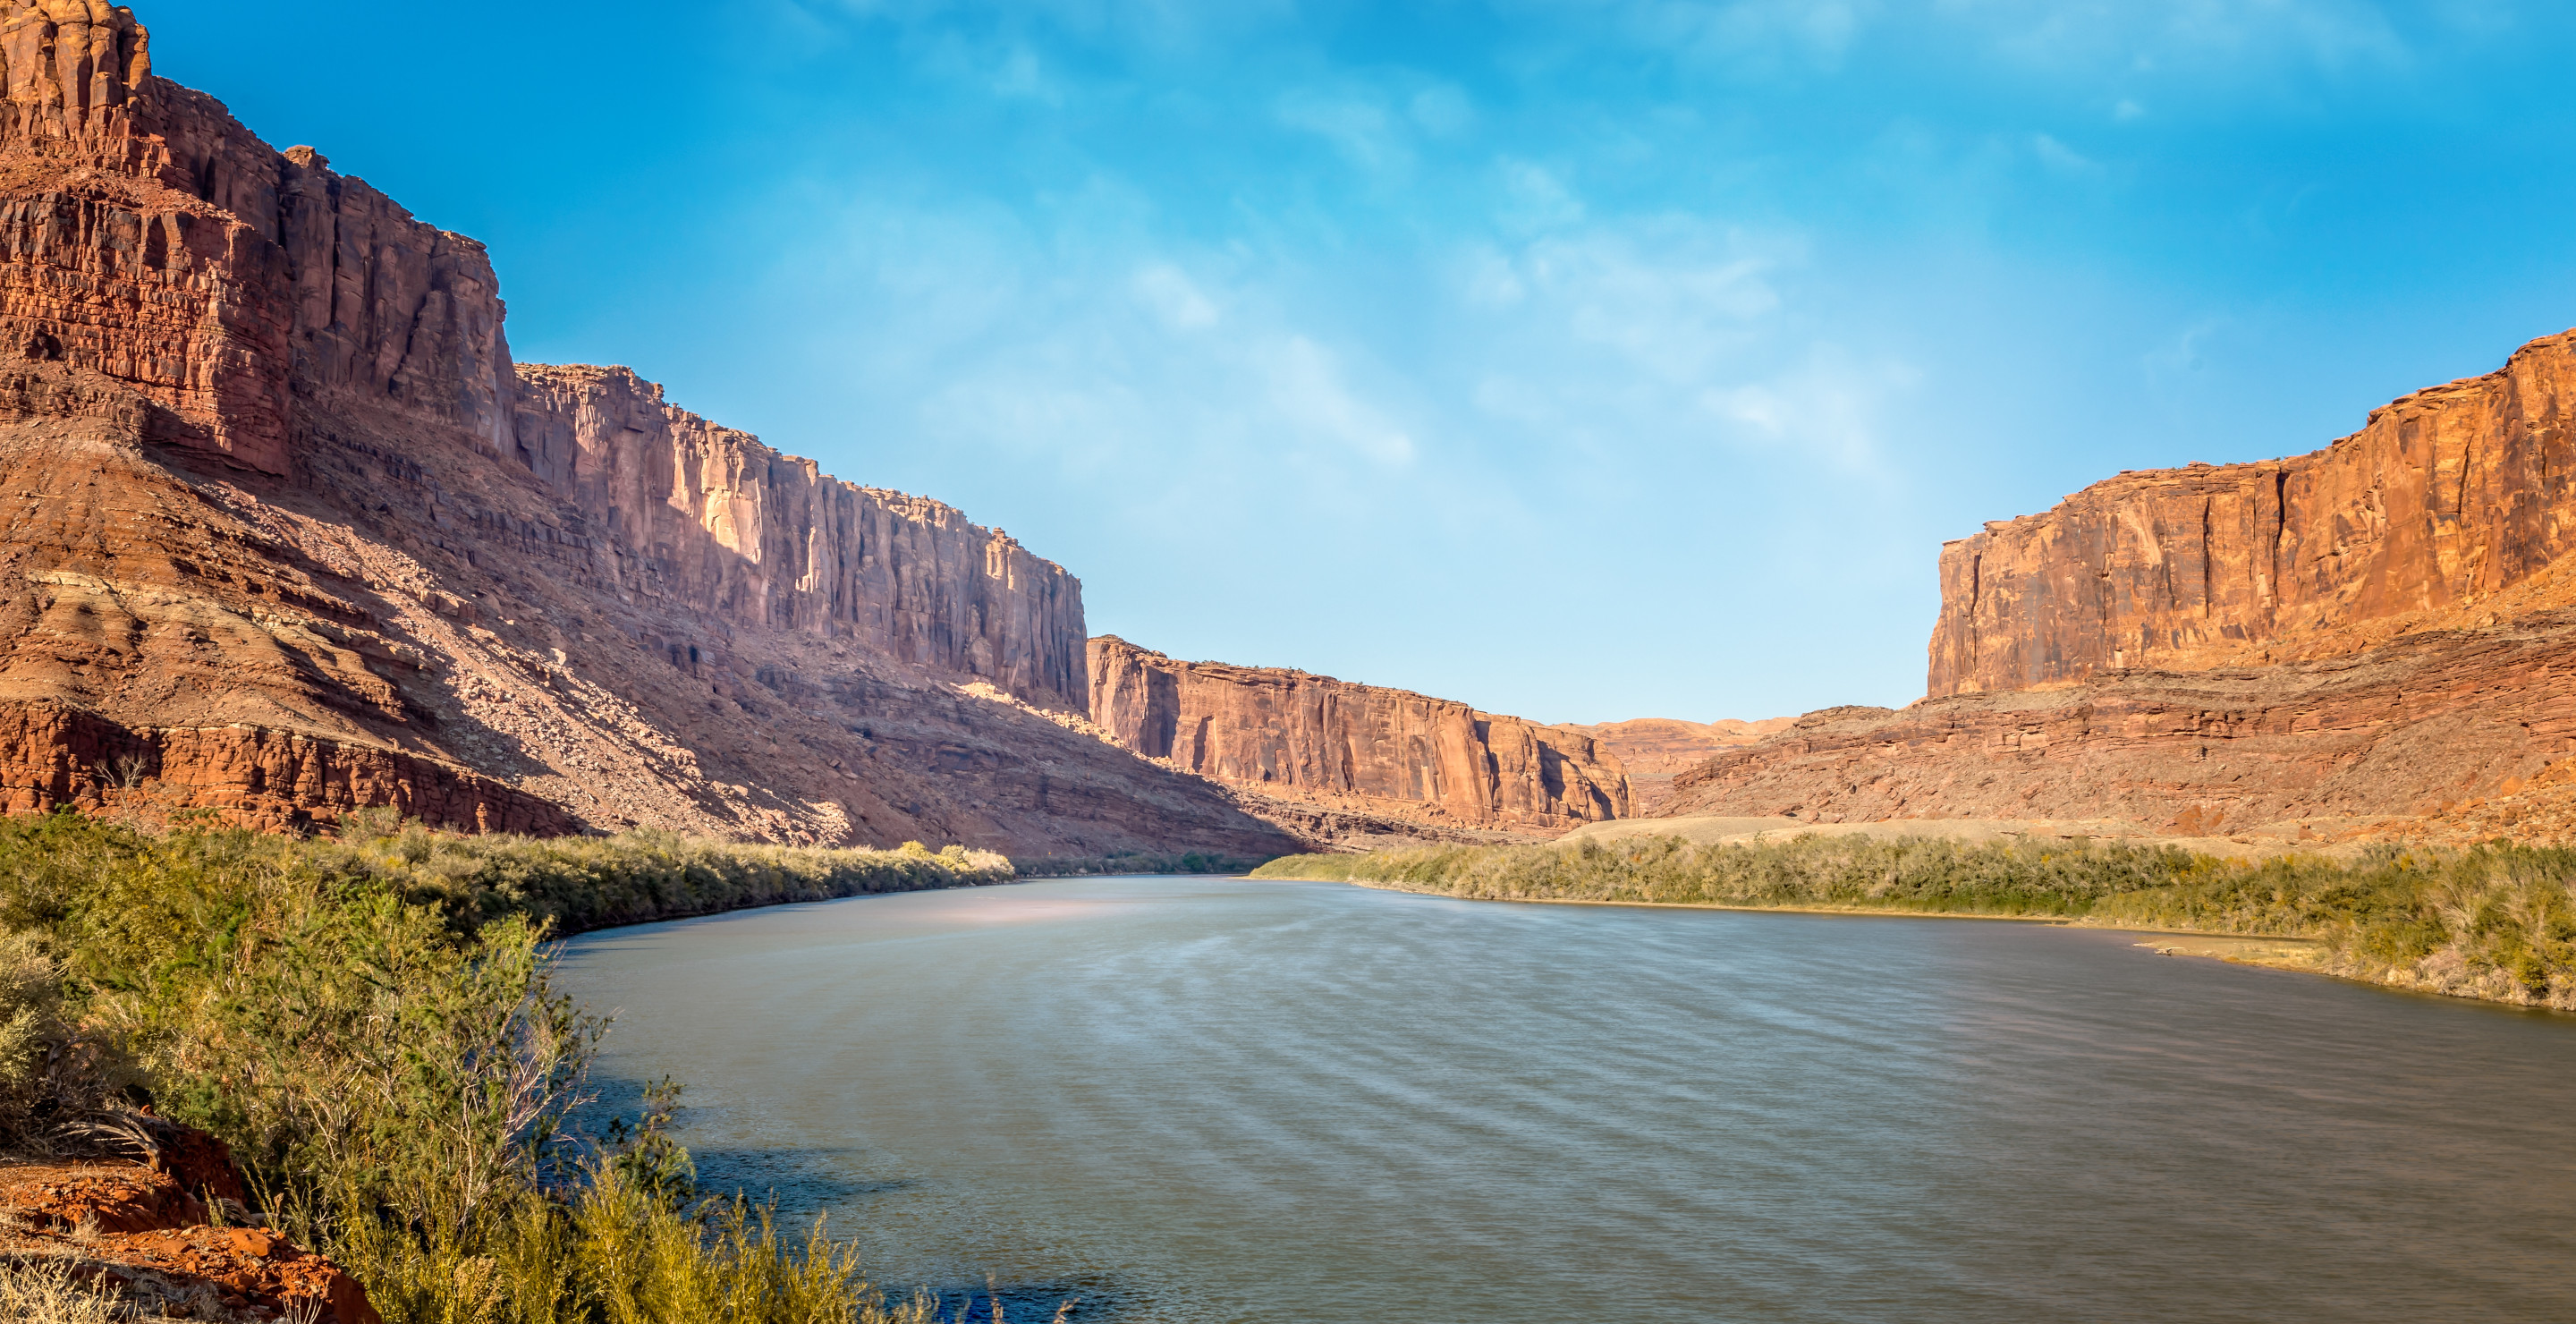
(368, 1022)
(1807, 871)
(30, 1024)
(2495, 921)
(575, 884)
(1137, 862)
(612, 1254)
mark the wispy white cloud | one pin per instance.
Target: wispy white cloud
(1356, 123)
(1535, 199)
(2179, 36)
(2061, 158)
(1174, 297)
(1830, 407)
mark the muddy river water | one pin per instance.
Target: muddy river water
(1233, 1100)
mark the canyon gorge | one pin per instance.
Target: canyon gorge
(290, 533)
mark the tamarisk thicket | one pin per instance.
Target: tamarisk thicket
(2495, 921)
(369, 1023)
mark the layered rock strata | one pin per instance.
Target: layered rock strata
(2410, 729)
(738, 532)
(1297, 737)
(1655, 750)
(289, 532)
(2447, 499)
(2376, 637)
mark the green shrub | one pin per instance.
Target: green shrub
(2494, 921)
(368, 1022)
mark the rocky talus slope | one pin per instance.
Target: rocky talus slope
(2378, 637)
(288, 532)
(1655, 750)
(1342, 760)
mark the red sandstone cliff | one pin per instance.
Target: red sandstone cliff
(1654, 750)
(2449, 498)
(1313, 739)
(287, 532)
(736, 531)
(2376, 631)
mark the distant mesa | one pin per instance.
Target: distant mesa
(1353, 764)
(2375, 639)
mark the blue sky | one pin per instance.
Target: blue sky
(1583, 359)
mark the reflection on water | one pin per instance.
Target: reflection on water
(1221, 1100)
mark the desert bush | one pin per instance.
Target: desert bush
(1139, 862)
(2493, 921)
(369, 1022)
(575, 884)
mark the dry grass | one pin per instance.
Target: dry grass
(45, 1291)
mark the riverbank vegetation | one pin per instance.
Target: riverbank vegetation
(2496, 921)
(369, 1023)
(1138, 862)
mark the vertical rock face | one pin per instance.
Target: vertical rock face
(151, 238)
(2445, 500)
(766, 540)
(2363, 639)
(289, 533)
(1295, 735)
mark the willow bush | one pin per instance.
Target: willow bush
(2494, 921)
(369, 1022)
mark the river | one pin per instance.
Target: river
(1193, 1100)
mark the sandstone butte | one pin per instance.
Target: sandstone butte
(2374, 638)
(1355, 764)
(289, 532)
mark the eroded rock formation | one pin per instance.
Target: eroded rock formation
(744, 534)
(2447, 499)
(2412, 728)
(288, 532)
(2374, 637)
(1300, 737)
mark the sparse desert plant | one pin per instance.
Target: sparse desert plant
(45, 1290)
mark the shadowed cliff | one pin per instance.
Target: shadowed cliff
(289, 533)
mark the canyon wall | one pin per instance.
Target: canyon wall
(2376, 638)
(2413, 728)
(766, 540)
(1298, 736)
(287, 532)
(2447, 499)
